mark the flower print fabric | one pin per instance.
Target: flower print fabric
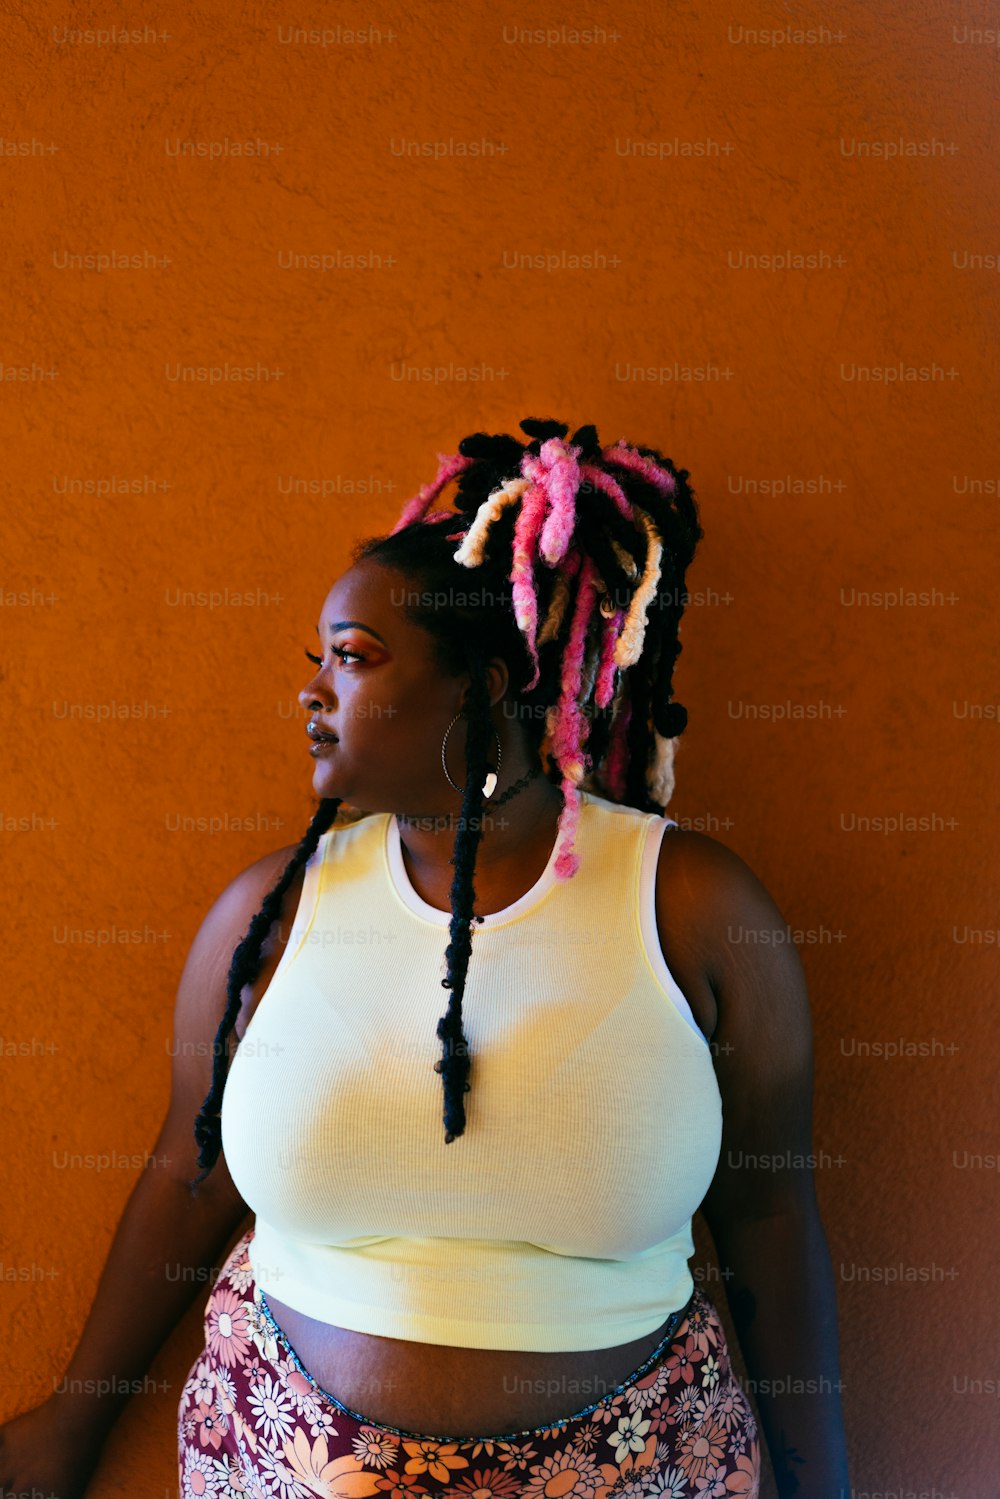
(253, 1424)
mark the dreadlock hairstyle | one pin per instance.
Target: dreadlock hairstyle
(580, 554)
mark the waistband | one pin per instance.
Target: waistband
(674, 1322)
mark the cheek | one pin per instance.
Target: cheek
(404, 700)
(377, 706)
(398, 704)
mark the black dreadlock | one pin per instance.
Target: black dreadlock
(243, 969)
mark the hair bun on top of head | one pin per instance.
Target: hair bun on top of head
(502, 454)
(498, 456)
(497, 448)
(586, 439)
(543, 429)
(494, 457)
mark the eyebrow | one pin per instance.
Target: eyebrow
(351, 624)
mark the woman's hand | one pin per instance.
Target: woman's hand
(41, 1454)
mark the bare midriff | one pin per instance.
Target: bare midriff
(442, 1390)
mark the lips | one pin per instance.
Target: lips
(318, 735)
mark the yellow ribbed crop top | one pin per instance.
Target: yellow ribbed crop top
(561, 1218)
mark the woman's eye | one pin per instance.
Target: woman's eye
(338, 650)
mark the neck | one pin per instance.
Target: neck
(524, 823)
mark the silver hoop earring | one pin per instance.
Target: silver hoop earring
(492, 776)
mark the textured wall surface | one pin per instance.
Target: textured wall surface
(833, 401)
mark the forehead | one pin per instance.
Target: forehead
(372, 595)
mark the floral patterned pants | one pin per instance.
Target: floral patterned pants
(253, 1423)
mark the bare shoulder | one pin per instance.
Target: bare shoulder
(227, 922)
(235, 907)
(706, 888)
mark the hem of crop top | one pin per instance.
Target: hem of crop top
(570, 1334)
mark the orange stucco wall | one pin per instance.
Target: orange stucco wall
(669, 147)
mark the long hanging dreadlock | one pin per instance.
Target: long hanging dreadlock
(594, 543)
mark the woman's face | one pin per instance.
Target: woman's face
(377, 689)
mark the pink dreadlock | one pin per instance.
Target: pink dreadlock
(557, 469)
(622, 454)
(449, 465)
(570, 728)
(605, 685)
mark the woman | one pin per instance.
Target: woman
(515, 1314)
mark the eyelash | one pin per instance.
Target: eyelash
(338, 650)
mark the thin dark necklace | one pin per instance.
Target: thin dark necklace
(519, 785)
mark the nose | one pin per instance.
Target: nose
(310, 697)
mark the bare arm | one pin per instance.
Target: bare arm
(168, 1239)
(761, 1207)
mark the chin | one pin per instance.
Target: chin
(326, 784)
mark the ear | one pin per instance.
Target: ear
(497, 679)
(497, 682)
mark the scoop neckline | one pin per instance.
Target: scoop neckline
(400, 880)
